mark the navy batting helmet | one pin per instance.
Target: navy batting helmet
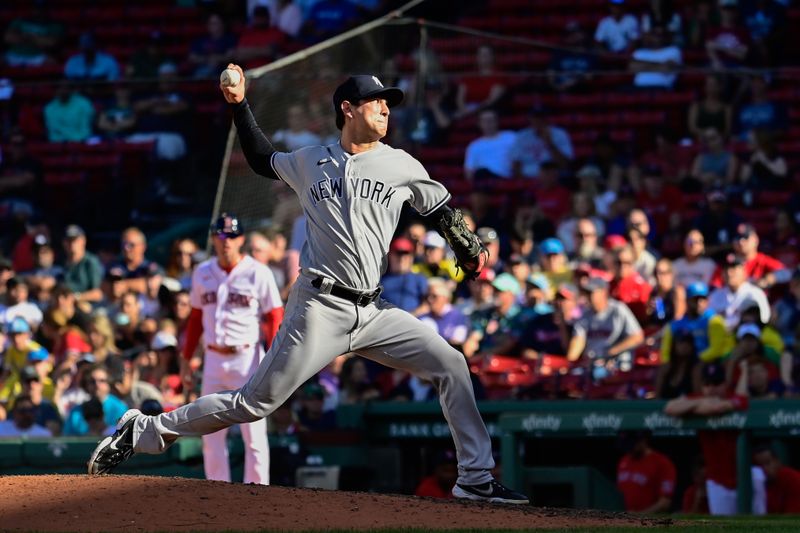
(227, 225)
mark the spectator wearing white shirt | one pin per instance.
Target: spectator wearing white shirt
(619, 30)
(655, 64)
(737, 294)
(694, 266)
(539, 143)
(17, 304)
(489, 155)
(297, 135)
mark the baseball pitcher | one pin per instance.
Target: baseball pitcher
(352, 193)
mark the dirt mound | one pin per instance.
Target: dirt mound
(142, 503)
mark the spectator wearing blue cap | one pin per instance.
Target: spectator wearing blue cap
(496, 330)
(553, 259)
(543, 332)
(711, 338)
(16, 357)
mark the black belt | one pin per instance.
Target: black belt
(361, 299)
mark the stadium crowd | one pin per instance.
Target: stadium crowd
(618, 271)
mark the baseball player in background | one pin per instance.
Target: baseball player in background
(352, 193)
(235, 305)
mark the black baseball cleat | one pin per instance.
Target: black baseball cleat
(114, 449)
(492, 491)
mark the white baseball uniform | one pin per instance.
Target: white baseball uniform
(352, 204)
(232, 305)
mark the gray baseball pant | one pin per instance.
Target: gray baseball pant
(317, 328)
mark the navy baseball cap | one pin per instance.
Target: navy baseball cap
(362, 87)
(227, 225)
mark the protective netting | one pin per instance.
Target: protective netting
(292, 102)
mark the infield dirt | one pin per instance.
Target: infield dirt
(142, 503)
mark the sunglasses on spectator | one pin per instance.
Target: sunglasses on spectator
(742, 236)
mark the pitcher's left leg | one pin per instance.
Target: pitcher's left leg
(396, 339)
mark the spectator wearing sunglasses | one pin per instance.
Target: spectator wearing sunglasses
(96, 383)
(132, 266)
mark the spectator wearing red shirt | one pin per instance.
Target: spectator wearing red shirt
(552, 199)
(628, 286)
(719, 446)
(658, 198)
(259, 41)
(783, 483)
(483, 89)
(760, 268)
(441, 482)
(645, 477)
(727, 45)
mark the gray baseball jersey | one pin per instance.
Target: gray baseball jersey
(353, 204)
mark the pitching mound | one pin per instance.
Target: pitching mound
(142, 503)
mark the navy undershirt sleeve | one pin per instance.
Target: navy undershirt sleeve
(255, 145)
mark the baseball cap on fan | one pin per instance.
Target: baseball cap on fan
(227, 226)
(362, 87)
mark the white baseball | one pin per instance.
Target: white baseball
(230, 78)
